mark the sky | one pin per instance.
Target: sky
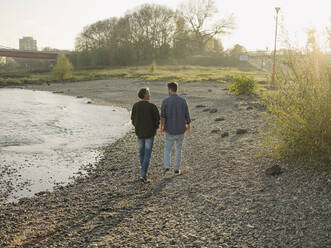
(56, 23)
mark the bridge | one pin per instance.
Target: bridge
(11, 52)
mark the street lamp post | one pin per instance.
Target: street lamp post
(274, 61)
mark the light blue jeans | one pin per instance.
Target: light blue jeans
(145, 152)
(170, 140)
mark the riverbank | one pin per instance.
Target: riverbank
(223, 198)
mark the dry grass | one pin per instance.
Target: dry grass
(300, 123)
(159, 73)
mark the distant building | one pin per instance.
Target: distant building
(28, 43)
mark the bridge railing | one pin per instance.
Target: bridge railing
(30, 54)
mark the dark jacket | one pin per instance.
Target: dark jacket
(145, 118)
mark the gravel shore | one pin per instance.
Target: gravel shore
(226, 195)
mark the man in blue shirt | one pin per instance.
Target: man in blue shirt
(175, 121)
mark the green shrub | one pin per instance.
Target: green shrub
(63, 68)
(300, 124)
(242, 85)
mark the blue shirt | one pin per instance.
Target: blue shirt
(175, 111)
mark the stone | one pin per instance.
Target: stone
(213, 111)
(215, 131)
(274, 170)
(89, 102)
(249, 108)
(220, 119)
(205, 110)
(241, 131)
(79, 96)
(200, 106)
(225, 134)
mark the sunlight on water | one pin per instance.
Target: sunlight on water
(45, 138)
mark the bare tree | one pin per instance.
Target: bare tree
(96, 35)
(151, 29)
(199, 15)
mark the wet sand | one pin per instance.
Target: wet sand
(223, 198)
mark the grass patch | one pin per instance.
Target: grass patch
(181, 73)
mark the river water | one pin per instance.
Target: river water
(46, 138)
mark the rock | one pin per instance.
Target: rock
(210, 90)
(215, 131)
(205, 110)
(220, 119)
(79, 96)
(200, 106)
(241, 131)
(89, 102)
(58, 92)
(225, 134)
(249, 108)
(41, 193)
(274, 170)
(213, 111)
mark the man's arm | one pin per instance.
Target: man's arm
(162, 126)
(187, 119)
(133, 116)
(163, 116)
(156, 116)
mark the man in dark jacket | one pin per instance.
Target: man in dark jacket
(145, 118)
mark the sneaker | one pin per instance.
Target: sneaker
(144, 180)
(165, 171)
(177, 172)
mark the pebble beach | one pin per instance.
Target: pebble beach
(227, 195)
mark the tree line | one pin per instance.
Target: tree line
(153, 32)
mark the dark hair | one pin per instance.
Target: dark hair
(173, 86)
(142, 92)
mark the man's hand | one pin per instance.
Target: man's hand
(188, 129)
(162, 132)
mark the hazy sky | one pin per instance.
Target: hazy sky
(56, 23)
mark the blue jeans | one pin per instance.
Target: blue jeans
(145, 152)
(170, 140)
